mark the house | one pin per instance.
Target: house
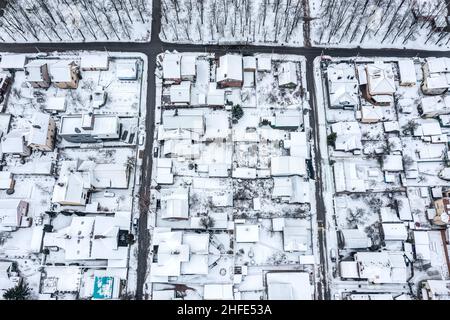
(94, 62)
(191, 122)
(380, 83)
(249, 63)
(342, 86)
(215, 96)
(289, 286)
(407, 72)
(101, 238)
(347, 178)
(371, 114)
(287, 166)
(427, 127)
(188, 67)
(64, 74)
(353, 239)
(127, 70)
(72, 186)
(292, 189)
(164, 173)
(244, 173)
(178, 253)
(90, 128)
(434, 106)
(229, 71)
(175, 204)
(42, 132)
(264, 64)
(348, 135)
(56, 104)
(171, 66)
(218, 292)
(246, 233)
(180, 94)
(37, 74)
(13, 214)
(394, 231)
(295, 238)
(436, 290)
(376, 267)
(6, 180)
(13, 62)
(287, 74)
(14, 143)
(288, 120)
(436, 78)
(298, 145)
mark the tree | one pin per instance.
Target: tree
(331, 139)
(237, 113)
(410, 126)
(207, 222)
(20, 292)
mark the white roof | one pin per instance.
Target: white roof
(13, 61)
(391, 126)
(218, 292)
(171, 66)
(428, 127)
(346, 177)
(437, 65)
(56, 103)
(244, 173)
(348, 269)
(215, 96)
(61, 71)
(126, 70)
(9, 216)
(247, 232)
(175, 203)
(264, 63)
(407, 71)
(103, 125)
(297, 190)
(380, 78)
(295, 238)
(289, 286)
(287, 73)
(355, 239)
(188, 68)
(435, 105)
(437, 81)
(395, 231)
(34, 70)
(180, 93)
(188, 122)
(291, 119)
(298, 145)
(94, 61)
(14, 143)
(382, 267)
(249, 62)
(39, 129)
(230, 68)
(287, 166)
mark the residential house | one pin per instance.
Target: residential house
(37, 74)
(434, 106)
(13, 62)
(342, 86)
(188, 69)
(65, 74)
(175, 204)
(42, 132)
(127, 70)
(13, 214)
(436, 78)
(287, 74)
(14, 143)
(90, 128)
(407, 72)
(229, 71)
(94, 62)
(171, 66)
(380, 83)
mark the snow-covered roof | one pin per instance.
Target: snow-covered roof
(289, 286)
(435, 105)
(103, 125)
(180, 93)
(218, 292)
(215, 96)
(264, 64)
(346, 177)
(342, 85)
(348, 135)
(293, 188)
(394, 231)
(380, 78)
(172, 66)
(194, 122)
(39, 129)
(164, 173)
(287, 74)
(438, 65)
(355, 239)
(56, 104)
(127, 70)
(391, 126)
(10, 215)
(407, 72)
(287, 166)
(71, 186)
(14, 143)
(244, 173)
(247, 233)
(428, 127)
(249, 63)
(371, 113)
(230, 68)
(188, 67)
(13, 61)
(62, 70)
(99, 61)
(295, 238)
(288, 119)
(438, 289)
(382, 267)
(298, 145)
(175, 203)
(34, 70)
(437, 81)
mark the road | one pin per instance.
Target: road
(155, 46)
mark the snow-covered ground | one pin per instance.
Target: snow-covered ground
(81, 21)
(230, 21)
